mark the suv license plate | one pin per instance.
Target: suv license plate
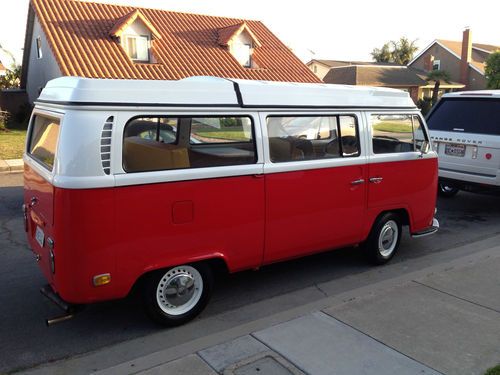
(39, 236)
(454, 150)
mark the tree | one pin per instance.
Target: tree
(437, 76)
(399, 52)
(383, 54)
(11, 79)
(492, 70)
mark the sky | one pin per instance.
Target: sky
(332, 29)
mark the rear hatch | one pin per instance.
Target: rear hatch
(466, 135)
(38, 189)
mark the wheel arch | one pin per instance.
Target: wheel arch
(217, 263)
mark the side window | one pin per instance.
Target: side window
(312, 137)
(349, 137)
(421, 140)
(210, 130)
(164, 143)
(220, 141)
(392, 134)
(42, 145)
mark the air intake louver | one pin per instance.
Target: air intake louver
(106, 145)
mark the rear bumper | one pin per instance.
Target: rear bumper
(471, 186)
(48, 292)
(428, 231)
(472, 179)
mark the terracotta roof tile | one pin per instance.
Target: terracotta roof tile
(79, 35)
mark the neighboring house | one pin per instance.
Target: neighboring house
(382, 75)
(75, 38)
(3, 70)
(464, 61)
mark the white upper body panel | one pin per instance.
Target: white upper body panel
(212, 91)
(85, 105)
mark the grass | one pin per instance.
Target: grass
(12, 144)
(393, 128)
(493, 371)
(237, 135)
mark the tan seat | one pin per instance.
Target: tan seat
(147, 155)
(283, 149)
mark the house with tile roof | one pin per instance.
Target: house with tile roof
(463, 60)
(378, 74)
(87, 39)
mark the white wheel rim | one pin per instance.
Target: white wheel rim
(179, 290)
(388, 238)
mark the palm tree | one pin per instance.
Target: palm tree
(437, 76)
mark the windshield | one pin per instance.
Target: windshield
(466, 115)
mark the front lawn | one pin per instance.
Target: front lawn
(12, 144)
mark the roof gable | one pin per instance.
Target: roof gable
(228, 34)
(124, 22)
(480, 52)
(78, 34)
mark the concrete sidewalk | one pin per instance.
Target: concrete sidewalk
(11, 166)
(442, 319)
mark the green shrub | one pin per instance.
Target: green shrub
(493, 371)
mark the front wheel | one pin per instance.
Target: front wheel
(384, 238)
(175, 296)
(446, 191)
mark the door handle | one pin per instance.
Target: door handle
(33, 201)
(376, 180)
(358, 182)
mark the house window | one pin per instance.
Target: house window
(243, 53)
(315, 69)
(137, 47)
(436, 65)
(39, 47)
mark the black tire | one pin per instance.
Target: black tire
(446, 191)
(384, 238)
(186, 299)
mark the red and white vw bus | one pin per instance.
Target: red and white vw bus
(161, 182)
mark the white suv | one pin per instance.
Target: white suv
(465, 130)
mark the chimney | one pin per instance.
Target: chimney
(428, 61)
(466, 56)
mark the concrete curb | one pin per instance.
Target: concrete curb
(11, 166)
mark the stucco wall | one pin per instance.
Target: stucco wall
(476, 81)
(321, 70)
(40, 71)
(449, 62)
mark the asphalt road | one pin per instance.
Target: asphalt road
(25, 341)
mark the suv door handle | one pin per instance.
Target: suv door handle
(358, 182)
(376, 180)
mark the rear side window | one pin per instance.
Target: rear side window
(295, 138)
(164, 143)
(466, 115)
(43, 140)
(397, 133)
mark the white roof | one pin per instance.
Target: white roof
(212, 91)
(474, 94)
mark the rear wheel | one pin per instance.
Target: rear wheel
(446, 191)
(175, 296)
(384, 238)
